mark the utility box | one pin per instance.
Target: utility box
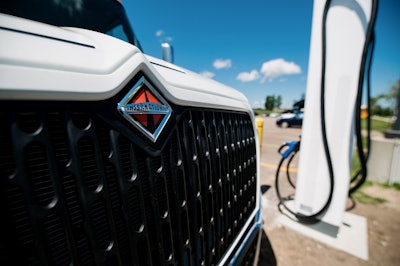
(384, 160)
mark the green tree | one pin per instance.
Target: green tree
(394, 94)
(278, 101)
(299, 104)
(392, 98)
(270, 102)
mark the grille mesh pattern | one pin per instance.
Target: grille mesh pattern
(76, 191)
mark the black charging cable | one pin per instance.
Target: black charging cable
(361, 176)
(313, 218)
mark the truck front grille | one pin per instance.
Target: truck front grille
(77, 190)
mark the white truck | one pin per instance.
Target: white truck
(109, 156)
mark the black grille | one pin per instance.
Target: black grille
(75, 190)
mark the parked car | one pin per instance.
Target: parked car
(290, 120)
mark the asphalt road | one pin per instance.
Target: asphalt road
(272, 139)
(281, 246)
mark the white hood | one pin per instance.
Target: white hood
(44, 62)
(193, 83)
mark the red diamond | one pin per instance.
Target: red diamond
(149, 121)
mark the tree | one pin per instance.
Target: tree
(395, 94)
(270, 102)
(392, 98)
(278, 101)
(298, 105)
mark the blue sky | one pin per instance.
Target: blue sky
(243, 43)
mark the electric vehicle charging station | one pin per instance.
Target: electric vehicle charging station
(340, 37)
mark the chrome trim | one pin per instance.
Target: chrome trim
(256, 229)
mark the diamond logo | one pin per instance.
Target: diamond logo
(144, 107)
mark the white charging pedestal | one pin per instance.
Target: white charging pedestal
(346, 27)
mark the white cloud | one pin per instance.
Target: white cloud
(160, 33)
(278, 67)
(222, 63)
(248, 76)
(207, 74)
(163, 37)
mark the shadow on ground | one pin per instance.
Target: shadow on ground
(267, 255)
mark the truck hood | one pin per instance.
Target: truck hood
(44, 62)
(189, 86)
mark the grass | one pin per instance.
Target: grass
(376, 125)
(260, 111)
(395, 186)
(361, 197)
(355, 165)
(364, 198)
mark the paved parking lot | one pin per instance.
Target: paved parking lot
(273, 138)
(291, 248)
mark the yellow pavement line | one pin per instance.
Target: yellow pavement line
(274, 166)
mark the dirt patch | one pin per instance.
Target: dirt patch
(383, 222)
(391, 196)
